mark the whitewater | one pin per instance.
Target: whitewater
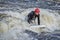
(14, 24)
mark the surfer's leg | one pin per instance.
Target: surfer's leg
(28, 20)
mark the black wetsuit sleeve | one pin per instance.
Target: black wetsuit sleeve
(38, 19)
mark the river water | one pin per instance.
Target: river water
(14, 26)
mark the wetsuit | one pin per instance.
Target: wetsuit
(33, 16)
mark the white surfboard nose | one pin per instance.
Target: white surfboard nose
(37, 28)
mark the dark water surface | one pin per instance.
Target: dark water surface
(44, 35)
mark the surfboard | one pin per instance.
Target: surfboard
(38, 26)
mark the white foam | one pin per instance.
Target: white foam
(48, 20)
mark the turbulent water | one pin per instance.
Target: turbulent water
(14, 26)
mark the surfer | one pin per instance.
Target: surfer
(33, 15)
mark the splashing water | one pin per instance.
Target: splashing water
(13, 24)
